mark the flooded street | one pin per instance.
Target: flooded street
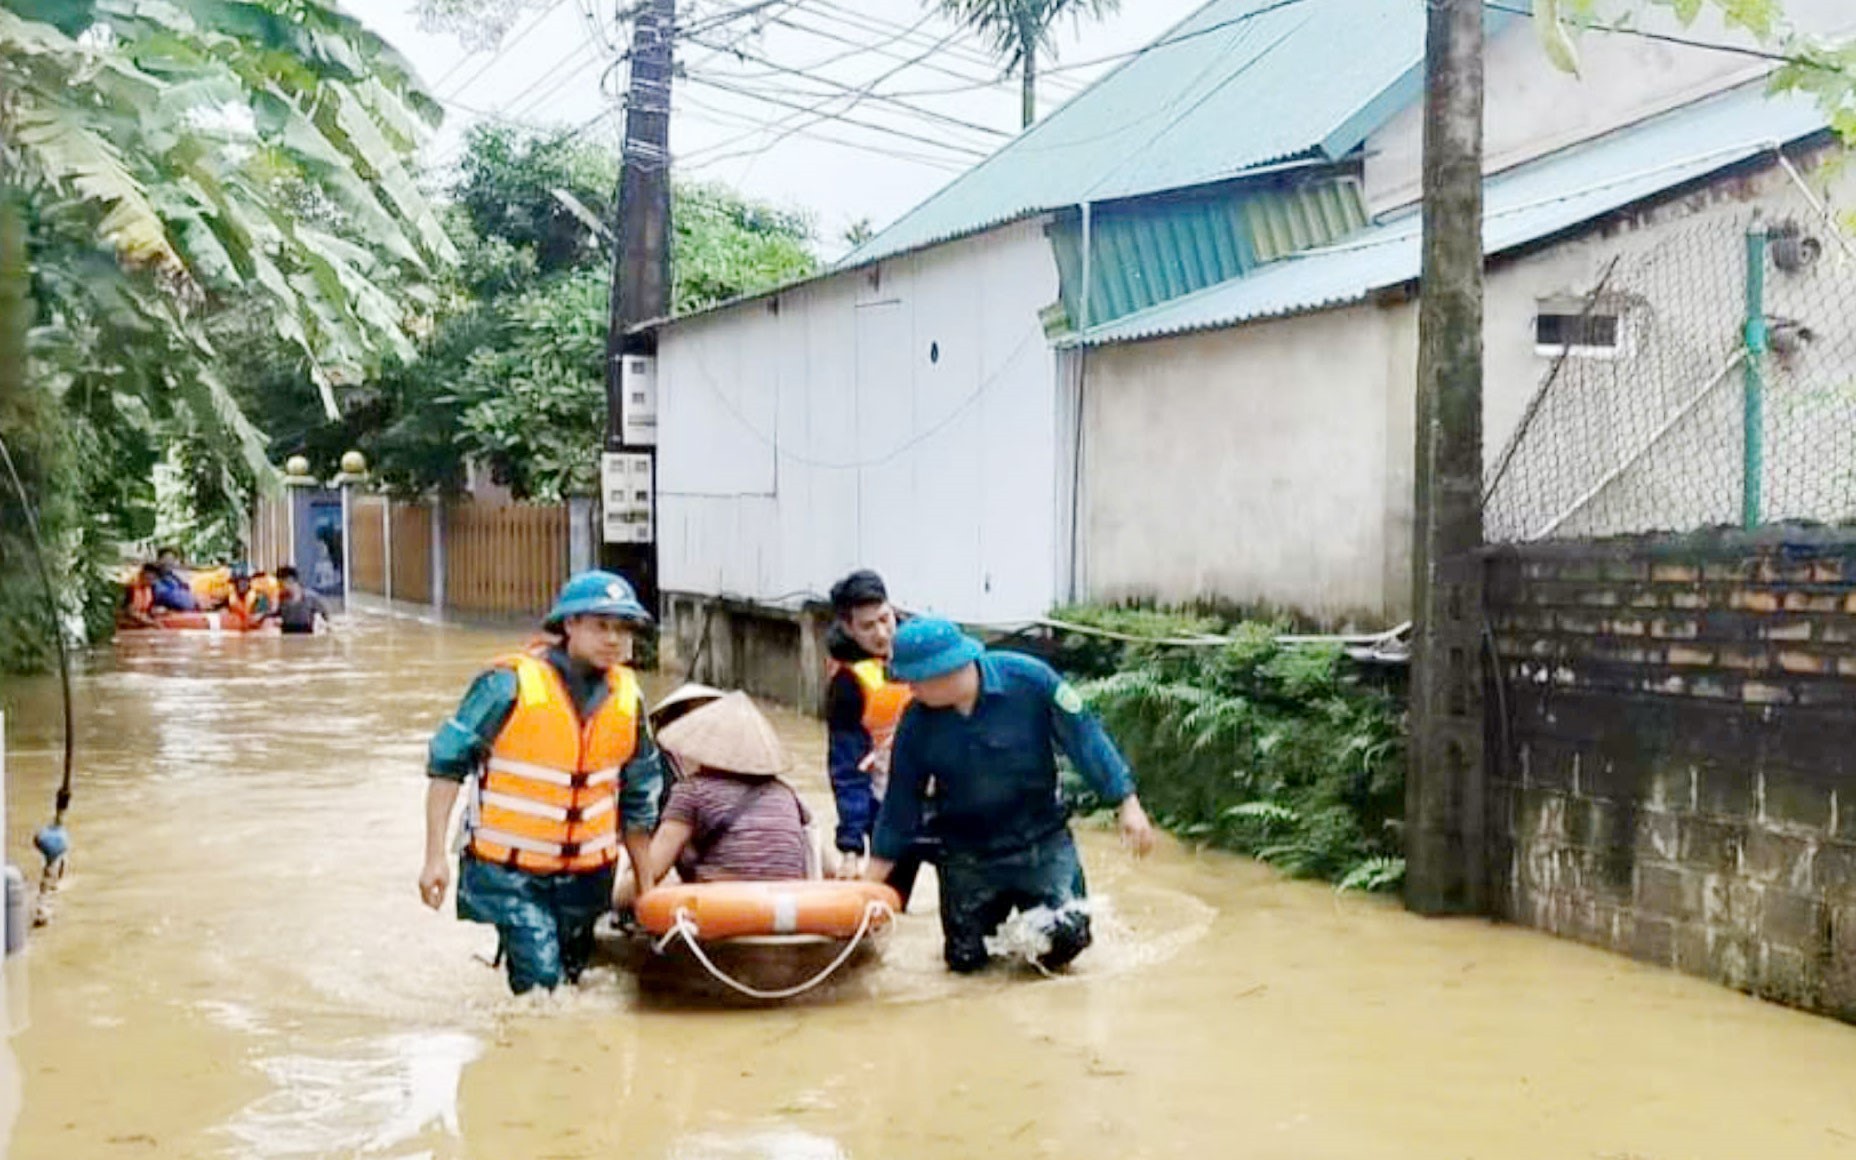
(239, 967)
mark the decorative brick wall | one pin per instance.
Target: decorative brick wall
(1673, 753)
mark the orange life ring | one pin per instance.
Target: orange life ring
(724, 910)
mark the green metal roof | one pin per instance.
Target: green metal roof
(1239, 86)
(1151, 250)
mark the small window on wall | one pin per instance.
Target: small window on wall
(1578, 329)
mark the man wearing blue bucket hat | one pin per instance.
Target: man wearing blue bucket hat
(983, 731)
(554, 746)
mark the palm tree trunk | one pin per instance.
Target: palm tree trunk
(1031, 86)
(1030, 31)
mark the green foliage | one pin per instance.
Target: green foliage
(1275, 751)
(534, 403)
(1822, 68)
(178, 164)
(1017, 29)
(727, 246)
(509, 373)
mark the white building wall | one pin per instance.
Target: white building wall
(1532, 108)
(900, 418)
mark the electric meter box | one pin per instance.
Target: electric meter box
(638, 400)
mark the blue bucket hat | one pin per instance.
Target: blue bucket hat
(930, 647)
(597, 594)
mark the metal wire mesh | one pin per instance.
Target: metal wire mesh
(1649, 431)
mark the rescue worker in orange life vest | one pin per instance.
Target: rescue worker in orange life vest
(553, 750)
(138, 608)
(862, 708)
(246, 605)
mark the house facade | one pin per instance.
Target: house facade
(1162, 345)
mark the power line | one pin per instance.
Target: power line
(927, 66)
(708, 157)
(875, 127)
(840, 57)
(560, 81)
(504, 48)
(1686, 42)
(719, 152)
(867, 92)
(1170, 41)
(868, 23)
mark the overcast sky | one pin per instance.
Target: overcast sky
(741, 119)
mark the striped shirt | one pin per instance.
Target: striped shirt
(766, 840)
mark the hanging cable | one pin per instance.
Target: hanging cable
(51, 840)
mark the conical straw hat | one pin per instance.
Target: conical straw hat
(730, 736)
(685, 700)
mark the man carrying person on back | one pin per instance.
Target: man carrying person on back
(862, 709)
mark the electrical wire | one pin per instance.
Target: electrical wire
(975, 56)
(996, 78)
(960, 410)
(712, 155)
(1683, 41)
(62, 801)
(507, 46)
(890, 130)
(867, 92)
(1170, 41)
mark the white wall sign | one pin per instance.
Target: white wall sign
(625, 490)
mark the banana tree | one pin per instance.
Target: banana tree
(220, 148)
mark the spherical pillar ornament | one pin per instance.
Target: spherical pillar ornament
(354, 463)
(296, 465)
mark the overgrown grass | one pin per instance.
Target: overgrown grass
(1281, 753)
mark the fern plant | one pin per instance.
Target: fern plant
(1277, 752)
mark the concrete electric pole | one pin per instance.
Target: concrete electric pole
(640, 285)
(1446, 871)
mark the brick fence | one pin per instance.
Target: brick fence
(1674, 753)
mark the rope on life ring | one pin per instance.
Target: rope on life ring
(686, 929)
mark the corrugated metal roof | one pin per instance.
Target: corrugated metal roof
(1521, 206)
(1239, 85)
(1151, 250)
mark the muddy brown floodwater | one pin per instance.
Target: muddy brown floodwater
(239, 967)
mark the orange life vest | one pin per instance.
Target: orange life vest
(884, 701)
(246, 608)
(141, 597)
(547, 801)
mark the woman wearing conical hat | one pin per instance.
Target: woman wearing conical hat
(731, 817)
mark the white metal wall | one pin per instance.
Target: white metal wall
(900, 418)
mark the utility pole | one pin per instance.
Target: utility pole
(640, 265)
(1446, 840)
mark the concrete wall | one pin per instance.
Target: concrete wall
(1673, 773)
(1532, 108)
(901, 418)
(1268, 463)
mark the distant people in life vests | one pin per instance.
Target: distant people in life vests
(138, 609)
(298, 609)
(730, 817)
(247, 603)
(984, 729)
(862, 708)
(553, 748)
(171, 588)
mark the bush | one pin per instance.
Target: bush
(1278, 752)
